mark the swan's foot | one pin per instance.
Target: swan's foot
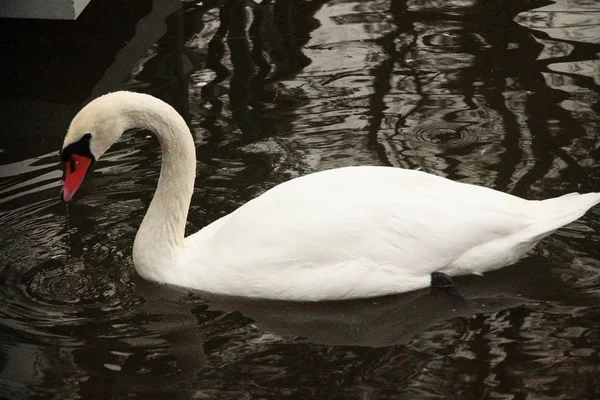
(441, 280)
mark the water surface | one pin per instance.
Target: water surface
(502, 94)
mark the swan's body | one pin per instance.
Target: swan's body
(344, 233)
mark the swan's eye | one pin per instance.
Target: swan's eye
(73, 164)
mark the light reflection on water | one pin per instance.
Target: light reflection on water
(500, 96)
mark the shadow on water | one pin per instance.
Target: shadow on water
(392, 320)
(503, 94)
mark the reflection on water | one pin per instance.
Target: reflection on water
(501, 94)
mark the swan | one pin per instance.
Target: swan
(345, 233)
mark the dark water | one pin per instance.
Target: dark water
(505, 94)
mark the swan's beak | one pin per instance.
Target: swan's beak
(75, 170)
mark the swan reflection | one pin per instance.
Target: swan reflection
(393, 320)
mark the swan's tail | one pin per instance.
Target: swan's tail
(557, 212)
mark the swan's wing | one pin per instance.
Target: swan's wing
(407, 221)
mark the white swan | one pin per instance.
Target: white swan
(344, 233)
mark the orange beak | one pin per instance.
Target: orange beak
(75, 170)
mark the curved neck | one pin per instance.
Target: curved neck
(162, 231)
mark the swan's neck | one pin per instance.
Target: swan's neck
(159, 239)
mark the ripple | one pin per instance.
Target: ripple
(444, 136)
(56, 294)
(450, 38)
(30, 176)
(28, 165)
(45, 290)
(52, 283)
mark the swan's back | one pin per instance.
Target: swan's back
(364, 231)
(355, 203)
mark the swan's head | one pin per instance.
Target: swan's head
(93, 130)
